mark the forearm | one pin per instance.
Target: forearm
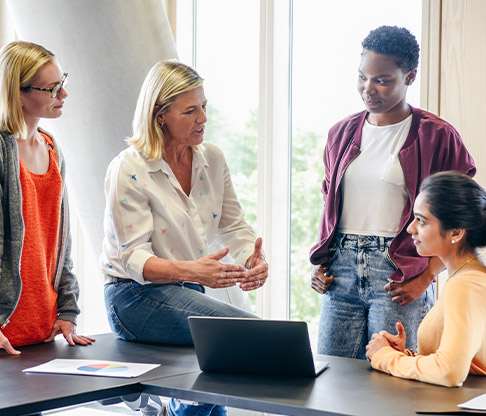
(159, 270)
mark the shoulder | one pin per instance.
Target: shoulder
(210, 152)
(345, 128)
(468, 288)
(128, 158)
(349, 122)
(434, 126)
(341, 132)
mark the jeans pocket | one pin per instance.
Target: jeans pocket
(387, 256)
(333, 252)
(117, 327)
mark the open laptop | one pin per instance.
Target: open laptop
(254, 346)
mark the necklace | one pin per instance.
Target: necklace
(463, 264)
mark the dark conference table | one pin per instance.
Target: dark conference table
(347, 387)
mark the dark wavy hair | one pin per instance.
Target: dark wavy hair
(395, 41)
(457, 201)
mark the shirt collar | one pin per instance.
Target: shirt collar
(198, 159)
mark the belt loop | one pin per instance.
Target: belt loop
(343, 240)
(382, 243)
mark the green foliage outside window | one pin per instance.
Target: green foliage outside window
(240, 149)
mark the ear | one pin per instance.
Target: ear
(457, 235)
(160, 118)
(411, 76)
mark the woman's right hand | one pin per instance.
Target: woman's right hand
(398, 341)
(211, 272)
(320, 281)
(5, 345)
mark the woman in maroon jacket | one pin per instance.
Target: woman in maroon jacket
(366, 265)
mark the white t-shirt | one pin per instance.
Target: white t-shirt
(374, 191)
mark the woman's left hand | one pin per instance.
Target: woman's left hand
(376, 343)
(67, 329)
(258, 269)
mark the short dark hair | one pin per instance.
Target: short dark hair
(395, 41)
(457, 201)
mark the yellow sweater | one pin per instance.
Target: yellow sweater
(451, 338)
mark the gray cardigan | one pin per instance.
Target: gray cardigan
(12, 237)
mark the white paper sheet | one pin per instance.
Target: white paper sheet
(101, 368)
(476, 403)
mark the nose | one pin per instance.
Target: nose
(202, 118)
(62, 93)
(411, 227)
(368, 88)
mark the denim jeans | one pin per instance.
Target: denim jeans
(357, 305)
(177, 408)
(158, 313)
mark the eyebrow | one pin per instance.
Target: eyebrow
(419, 215)
(377, 76)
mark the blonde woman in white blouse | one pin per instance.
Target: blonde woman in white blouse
(168, 197)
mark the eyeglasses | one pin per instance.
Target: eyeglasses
(55, 90)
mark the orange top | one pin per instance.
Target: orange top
(36, 311)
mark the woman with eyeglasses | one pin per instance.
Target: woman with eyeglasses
(169, 195)
(450, 223)
(38, 291)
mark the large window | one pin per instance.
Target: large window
(278, 75)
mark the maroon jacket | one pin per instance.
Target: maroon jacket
(432, 145)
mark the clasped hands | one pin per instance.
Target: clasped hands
(385, 339)
(228, 274)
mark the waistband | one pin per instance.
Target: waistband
(362, 241)
(189, 285)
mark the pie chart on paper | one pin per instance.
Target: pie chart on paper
(103, 368)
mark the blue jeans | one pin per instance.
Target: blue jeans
(175, 408)
(357, 305)
(158, 313)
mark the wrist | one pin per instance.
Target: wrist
(177, 271)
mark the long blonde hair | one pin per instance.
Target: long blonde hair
(164, 82)
(19, 64)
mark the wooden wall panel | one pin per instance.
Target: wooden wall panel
(463, 74)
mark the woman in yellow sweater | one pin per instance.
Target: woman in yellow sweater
(450, 222)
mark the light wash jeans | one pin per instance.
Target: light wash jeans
(357, 305)
(158, 313)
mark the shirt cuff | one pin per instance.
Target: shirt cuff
(136, 263)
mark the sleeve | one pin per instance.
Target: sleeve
(68, 288)
(129, 210)
(65, 281)
(461, 339)
(233, 230)
(458, 158)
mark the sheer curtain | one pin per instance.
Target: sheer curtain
(107, 47)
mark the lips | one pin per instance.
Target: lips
(371, 103)
(200, 132)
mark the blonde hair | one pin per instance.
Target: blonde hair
(164, 82)
(19, 64)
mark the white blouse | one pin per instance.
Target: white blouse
(148, 214)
